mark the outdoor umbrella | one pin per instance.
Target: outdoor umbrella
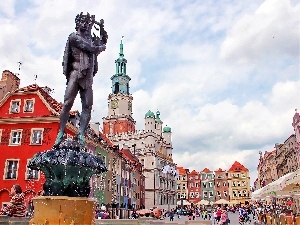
(221, 201)
(203, 202)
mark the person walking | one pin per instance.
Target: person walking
(171, 215)
(223, 218)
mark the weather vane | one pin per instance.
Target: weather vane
(20, 64)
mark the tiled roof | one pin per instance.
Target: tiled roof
(181, 170)
(105, 139)
(128, 155)
(219, 170)
(194, 172)
(236, 166)
(206, 170)
(51, 101)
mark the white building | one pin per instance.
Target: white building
(152, 146)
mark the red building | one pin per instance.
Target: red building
(29, 122)
(221, 185)
(194, 187)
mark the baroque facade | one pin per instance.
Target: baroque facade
(285, 158)
(232, 185)
(152, 145)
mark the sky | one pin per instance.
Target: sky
(225, 75)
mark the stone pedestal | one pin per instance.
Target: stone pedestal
(62, 210)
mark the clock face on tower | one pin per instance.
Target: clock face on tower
(114, 104)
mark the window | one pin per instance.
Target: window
(191, 185)
(15, 137)
(36, 136)
(197, 184)
(11, 169)
(205, 194)
(225, 193)
(196, 194)
(178, 186)
(178, 196)
(31, 174)
(0, 134)
(234, 193)
(240, 193)
(224, 183)
(210, 184)
(211, 194)
(192, 195)
(238, 183)
(183, 186)
(15, 106)
(233, 184)
(28, 105)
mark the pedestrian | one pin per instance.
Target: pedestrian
(219, 212)
(171, 215)
(190, 215)
(16, 207)
(179, 213)
(204, 214)
(223, 218)
(215, 216)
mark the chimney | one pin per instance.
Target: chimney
(8, 83)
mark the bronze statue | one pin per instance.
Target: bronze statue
(79, 66)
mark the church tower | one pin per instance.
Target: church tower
(119, 118)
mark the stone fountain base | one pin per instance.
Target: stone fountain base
(62, 210)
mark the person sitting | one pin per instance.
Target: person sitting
(16, 207)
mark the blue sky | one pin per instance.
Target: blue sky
(224, 74)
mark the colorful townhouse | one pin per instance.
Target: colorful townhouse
(194, 187)
(221, 185)
(182, 185)
(239, 183)
(207, 185)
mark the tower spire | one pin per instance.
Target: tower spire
(121, 47)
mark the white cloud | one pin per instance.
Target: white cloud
(7, 8)
(273, 30)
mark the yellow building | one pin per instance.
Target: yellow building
(182, 182)
(239, 183)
